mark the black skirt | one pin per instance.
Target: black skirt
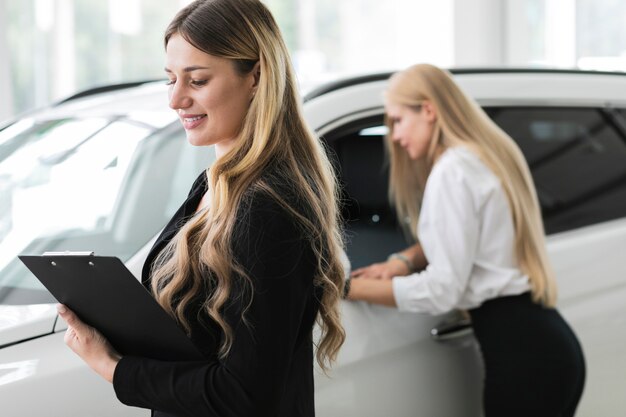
(534, 364)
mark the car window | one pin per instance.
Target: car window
(578, 162)
(17, 141)
(621, 116)
(11, 132)
(358, 152)
(103, 185)
(577, 159)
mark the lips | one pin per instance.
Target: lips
(191, 121)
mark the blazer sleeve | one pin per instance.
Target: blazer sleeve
(251, 380)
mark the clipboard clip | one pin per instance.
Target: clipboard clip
(69, 253)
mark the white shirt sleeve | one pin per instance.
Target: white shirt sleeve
(449, 228)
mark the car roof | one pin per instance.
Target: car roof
(529, 73)
(510, 86)
(144, 102)
(499, 86)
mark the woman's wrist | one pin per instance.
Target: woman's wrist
(404, 259)
(107, 367)
(346, 288)
(376, 291)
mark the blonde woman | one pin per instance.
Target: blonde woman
(251, 259)
(469, 195)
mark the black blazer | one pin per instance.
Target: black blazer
(269, 370)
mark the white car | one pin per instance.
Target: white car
(104, 171)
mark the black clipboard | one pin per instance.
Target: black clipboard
(106, 295)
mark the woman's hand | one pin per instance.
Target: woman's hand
(383, 270)
(89, 344)
(376, 291)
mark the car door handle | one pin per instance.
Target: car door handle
(451, 330)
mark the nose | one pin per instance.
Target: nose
(395, 136)
(179, 99)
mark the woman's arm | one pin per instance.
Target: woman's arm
(416, 255)
(373, 283)
(450, 232)
(450, 220)
(373, 291)
(394, 266)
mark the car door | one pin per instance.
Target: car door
(390, 364)
(577, 155)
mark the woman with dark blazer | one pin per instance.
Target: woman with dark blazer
(251, 260)
(465, 187)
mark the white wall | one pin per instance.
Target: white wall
(561, 33)
(6, 93)
(64, 50)
(515, 33)
(479, 33)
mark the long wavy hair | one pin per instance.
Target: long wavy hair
(273, 133)
(461, 121)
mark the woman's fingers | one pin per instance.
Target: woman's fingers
(70, 317)
(361, 272)
(67, 315)
(383, 270)
(89, 344)
(356, 272)
(368, 272)
(78, 335)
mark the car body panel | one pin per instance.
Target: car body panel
(44, 378)
(385, 348)
(19, 323)
(595, 254)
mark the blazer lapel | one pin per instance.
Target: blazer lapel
(184, 212)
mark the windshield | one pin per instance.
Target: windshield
(106, 185)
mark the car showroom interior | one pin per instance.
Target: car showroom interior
(298, 208)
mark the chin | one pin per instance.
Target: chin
(413, 156)
(196, 140)
(194, 143)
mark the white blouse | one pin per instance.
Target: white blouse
(466, 232)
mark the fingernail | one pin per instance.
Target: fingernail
(61, 309)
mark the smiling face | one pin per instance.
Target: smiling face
(211, 98)
(412, 127)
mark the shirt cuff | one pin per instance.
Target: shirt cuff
(403, 287)
(415, 293)
(123, 381)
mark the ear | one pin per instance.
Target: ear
(256, 75)
(430, 112)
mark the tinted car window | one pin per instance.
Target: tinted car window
(102, 185)
(372, 231)
(577, 158)
(578, 162)
(621, 118)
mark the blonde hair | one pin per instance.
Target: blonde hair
(461, 121)
(273, 133)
